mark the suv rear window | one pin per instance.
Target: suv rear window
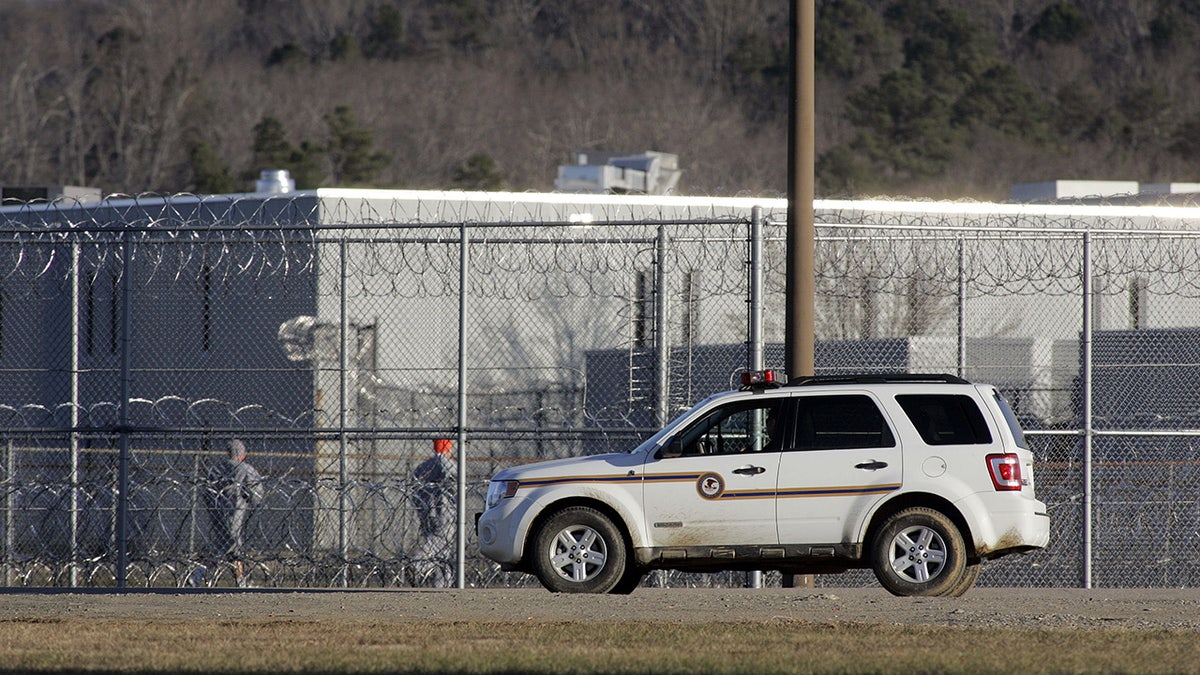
(946, 419)
(1011, 419)
(840, 422)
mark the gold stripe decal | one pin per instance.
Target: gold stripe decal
(838, 491)
(708, 488)
(615, 478)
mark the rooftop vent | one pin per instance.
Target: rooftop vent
(274, 181)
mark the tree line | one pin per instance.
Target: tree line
(927, 98)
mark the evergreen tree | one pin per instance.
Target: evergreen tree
(271, 147)
(922, 116)
(841, 171)
(1060, 24)
(305, 165)
(210, 174)
(850, 38)
(386, 34)
(462, 24)
(272, 150)
(287, 55)
(999, 99)
(479, 172)
(904, 126)
(344, 47)
(350, 152)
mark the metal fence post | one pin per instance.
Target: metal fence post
(74, 420)
(194, 505)
(754, 343)
(662, 346)
(123, 423)
(343, 392)
(10, 502)
(460, 543)
(755, 300)
(962, 307)
(1086, 403)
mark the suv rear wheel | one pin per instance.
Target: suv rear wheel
(920, 551)
(629, 581)
(969, 577)
(579, 550)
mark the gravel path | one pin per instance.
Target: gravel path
(1139, 609)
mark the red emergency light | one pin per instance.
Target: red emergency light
(762, 379)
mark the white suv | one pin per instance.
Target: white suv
(920, 477)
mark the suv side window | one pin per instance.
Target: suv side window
(748, 426)
(946, 419)
(843, 421)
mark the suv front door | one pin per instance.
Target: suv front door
(714, 483)
(844, 459)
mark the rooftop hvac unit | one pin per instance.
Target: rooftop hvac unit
(652, 173)
(12, 194)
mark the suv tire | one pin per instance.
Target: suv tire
(967, 582)
(629, 581)
(919, 551)
(579, 550)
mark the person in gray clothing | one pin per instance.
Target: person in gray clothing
(235, 490)
(435, 481)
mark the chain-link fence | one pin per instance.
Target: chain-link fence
(330, 333)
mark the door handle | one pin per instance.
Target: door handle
(749, 470)
(872, 465)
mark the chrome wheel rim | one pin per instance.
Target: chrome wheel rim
(578, 553)
(918, 554)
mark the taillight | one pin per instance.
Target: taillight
(1005, 471)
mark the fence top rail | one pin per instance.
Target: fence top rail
(576, 231)
(198, 225)
(896, 204)
(1010, 210)
(947, 231)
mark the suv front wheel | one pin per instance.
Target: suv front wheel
(920, 551)
(579, 550)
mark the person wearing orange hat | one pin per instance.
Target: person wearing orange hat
(435, 480)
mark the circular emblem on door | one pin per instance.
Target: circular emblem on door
(710, 486)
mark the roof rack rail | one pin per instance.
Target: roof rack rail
(877, 378)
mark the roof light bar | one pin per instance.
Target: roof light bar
(762, 379)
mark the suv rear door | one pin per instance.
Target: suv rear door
(844, 459)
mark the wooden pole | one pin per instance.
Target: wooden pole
(801, 233)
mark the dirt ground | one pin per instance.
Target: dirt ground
(1095, 609)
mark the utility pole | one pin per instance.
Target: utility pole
(801, 232)
(801, 160)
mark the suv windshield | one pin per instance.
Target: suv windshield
(665, 431)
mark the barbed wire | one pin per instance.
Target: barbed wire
(325, 330)
(172, 238)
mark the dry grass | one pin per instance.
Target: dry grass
(776, 646)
